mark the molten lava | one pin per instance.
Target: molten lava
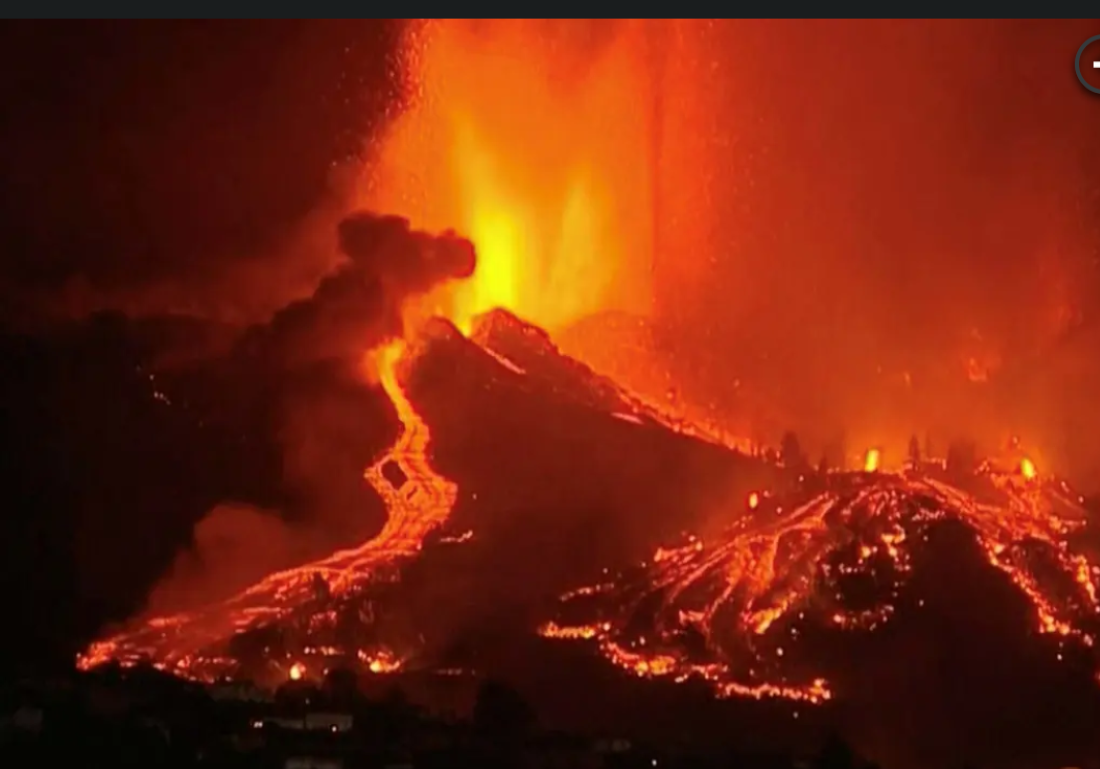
(535, 140)
(1027, 469)
(531, 138)
(425, 500)
(192, 643)
(535, 147)
(871, 461)
(731, 610)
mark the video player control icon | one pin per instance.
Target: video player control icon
(1095, 57)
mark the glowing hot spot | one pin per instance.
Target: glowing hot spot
(1027, 468)
(871, 461)
(532, 142)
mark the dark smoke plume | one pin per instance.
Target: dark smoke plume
(359, 305)
(329, 426)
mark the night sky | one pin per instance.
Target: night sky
(132, 149)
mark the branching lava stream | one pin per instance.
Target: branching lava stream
(732, 610)
(182, 643)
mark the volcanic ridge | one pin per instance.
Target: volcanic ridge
(795, 555)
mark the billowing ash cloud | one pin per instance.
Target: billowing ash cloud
(225, 557)
(359, 305)
(329, 427)
(413, 261)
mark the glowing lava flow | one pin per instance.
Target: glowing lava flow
(425, 500)
(732, 611)
(182, 643)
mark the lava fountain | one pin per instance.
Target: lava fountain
(569, 152)
(533, 139)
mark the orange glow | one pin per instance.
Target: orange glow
(536, 140)
(418, 505)
(532, 139)
(380, 662)
(763, 577)
(1027, 468)
(871, 462)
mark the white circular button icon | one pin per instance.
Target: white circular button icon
(1093, 64)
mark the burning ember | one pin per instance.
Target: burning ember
(871, 461)
(1027, 468)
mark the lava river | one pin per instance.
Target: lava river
(837, 555)
(196, 644)
(835, 551)
(420, 502)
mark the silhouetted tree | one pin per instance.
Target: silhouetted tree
(836, 754)
(396, 700)
(914, 451)
(962, 458)
(110, 671)
(296, 693)
(502, 712)
(341, 686)
(395, 712)
(320, 587)
(835, 456)
(790, 451)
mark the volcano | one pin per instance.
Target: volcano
(831, 549)
(553, 403)
(533, 504)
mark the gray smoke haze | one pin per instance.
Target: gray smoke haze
(359, 304)
(330, 425)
